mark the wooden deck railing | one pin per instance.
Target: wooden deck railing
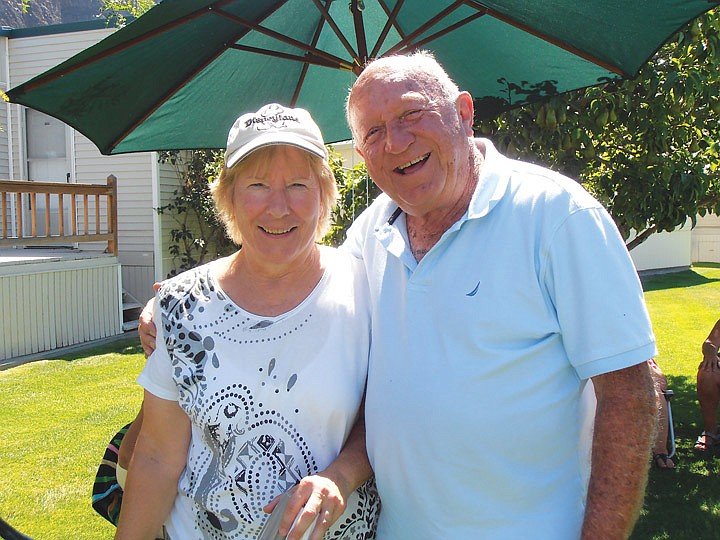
(103, 226)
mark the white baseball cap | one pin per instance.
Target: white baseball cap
(273, 124)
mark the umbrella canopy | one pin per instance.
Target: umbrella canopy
(178, 76)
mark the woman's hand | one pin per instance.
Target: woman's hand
(317, 500)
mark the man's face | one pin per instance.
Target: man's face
(417, 149)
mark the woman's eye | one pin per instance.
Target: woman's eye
(256, 186)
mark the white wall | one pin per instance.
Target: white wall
(665, 250)
(4, 112)
(348, 153)
(46, 305)
(706, 239)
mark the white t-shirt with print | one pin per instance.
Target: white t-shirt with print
(270, 399)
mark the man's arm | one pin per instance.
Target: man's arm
(625, 424)
(146, 328)
(710, 350)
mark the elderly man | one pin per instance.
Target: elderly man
(499, 290)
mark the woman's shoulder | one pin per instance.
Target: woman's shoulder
(345, 280)
(340, 261)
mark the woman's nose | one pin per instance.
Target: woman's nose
(278, 203)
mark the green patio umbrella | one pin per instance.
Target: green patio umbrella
(178, 76)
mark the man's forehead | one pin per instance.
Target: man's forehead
(395, 89)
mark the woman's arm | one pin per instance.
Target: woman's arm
(158, 460)
(324, 495)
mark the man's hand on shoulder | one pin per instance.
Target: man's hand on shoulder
(146, 328)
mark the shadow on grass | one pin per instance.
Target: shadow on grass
(683, 503)
(122, 346)
(672, 280)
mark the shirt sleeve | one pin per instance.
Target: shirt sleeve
(597, 294)
(157, 376)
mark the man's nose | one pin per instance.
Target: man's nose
(397, 138)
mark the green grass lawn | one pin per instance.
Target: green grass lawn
(56, 416)
(685, 503)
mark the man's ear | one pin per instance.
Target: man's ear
(466, 112)
(358, 151)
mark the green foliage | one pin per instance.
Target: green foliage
(356, 192)
(647, 148)
(199, 235)
(117, 12)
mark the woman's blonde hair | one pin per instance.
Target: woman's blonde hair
(222, 189)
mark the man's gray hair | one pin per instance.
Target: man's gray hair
(420, 66)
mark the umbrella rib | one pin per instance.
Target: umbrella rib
(333, 60)
(404, 43)
(40, 80)
(326, 15)
(359, 32)
(553, 41)
(214, 8)
(440, 33)
(162, 100)
(310, 58)
(303, 72)
(391, 22)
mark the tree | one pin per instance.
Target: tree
(198, 235)
(356, 192)
(647, 147)
(117, 12)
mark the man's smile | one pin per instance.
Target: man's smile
(403, 169)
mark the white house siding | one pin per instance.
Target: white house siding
(135, 209)
(169, 182)
(4, 111)
(5, 172)
(30, 56)
(56, 303)
(666, 250)
(706, 239)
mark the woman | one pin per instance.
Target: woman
(260, 369)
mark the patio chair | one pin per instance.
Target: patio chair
(668, 394)
(10, 533)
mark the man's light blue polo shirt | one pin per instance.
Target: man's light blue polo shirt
(476, 422)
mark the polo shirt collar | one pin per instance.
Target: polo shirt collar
(492, 185)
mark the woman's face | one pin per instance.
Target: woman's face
(277, 201)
